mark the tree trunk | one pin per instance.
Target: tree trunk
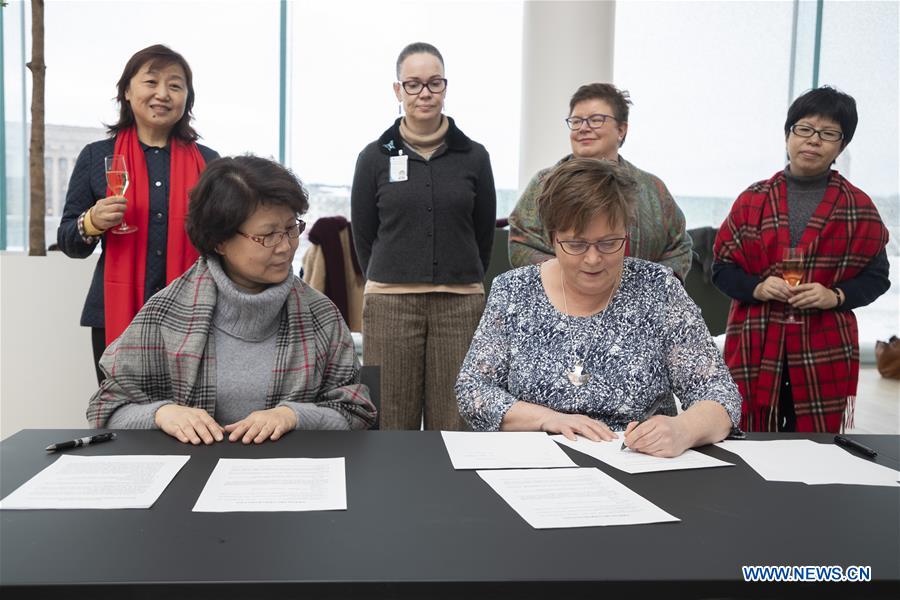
(38, 205)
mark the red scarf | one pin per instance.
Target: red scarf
(844, 234)
(126, 255)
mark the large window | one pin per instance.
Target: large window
(711, 84)
(86, 47)
(709, 81)
(859, 56)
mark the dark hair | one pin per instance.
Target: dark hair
(229, 192)
(582, 189)
(417, 48)
(828, 102)
(158, 56)
(618, 99)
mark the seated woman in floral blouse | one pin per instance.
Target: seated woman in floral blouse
(584, 343)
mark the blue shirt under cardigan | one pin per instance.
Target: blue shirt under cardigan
(87, 185)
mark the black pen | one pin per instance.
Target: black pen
(93, 439)
(650, 412)
(854, 445)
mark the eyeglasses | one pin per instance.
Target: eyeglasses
(593, 121)
(826, 135)
(274, 238)
(414, 86)
(576, 247)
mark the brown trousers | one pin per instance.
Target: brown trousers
(419, 341)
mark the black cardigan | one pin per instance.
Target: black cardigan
(436, 227)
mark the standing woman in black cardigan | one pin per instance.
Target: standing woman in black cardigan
(164, 161)
(423, 214)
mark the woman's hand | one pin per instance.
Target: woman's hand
(773, 288)
(187, 424)
(262, 425)
(813, 295)
(572, 425)
(658, 436)
(108, 212)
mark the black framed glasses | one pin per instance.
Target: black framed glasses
(576, 247)
(273, 239)
(826, 135)
(415, 87)
(593, 121)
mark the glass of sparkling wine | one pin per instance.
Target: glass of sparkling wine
(117, 180)
(792, 273)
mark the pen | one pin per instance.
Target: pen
(93, 439)
(853, 444)
(650, 411)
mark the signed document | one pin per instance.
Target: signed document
(633, 462)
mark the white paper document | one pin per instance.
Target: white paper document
(274, 484)
(127, 481)
(504, 450)
(805, 461)
(584, 497)
(636, 462)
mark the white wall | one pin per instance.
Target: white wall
(46, 365)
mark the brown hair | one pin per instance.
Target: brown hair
(582, 189)
(619, 100)
(418, 48)
(158, 56)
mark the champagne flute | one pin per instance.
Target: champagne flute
(117, 180)
(792, 273)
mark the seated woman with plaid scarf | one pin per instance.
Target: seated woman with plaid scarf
(794, 351)
(237, 346)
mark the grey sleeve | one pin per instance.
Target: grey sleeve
(313, 417)
(135, 416)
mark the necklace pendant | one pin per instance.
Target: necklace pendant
(576, 375)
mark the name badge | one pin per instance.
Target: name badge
(399, 171)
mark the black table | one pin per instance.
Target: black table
(415, 528)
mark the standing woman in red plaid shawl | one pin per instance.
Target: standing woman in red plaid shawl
(803, 376)
(164, 161)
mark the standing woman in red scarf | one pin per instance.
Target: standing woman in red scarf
(801, 376)
(164, 161)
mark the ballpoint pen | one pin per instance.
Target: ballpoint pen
(854, 445)
(650, 412)
(76, 443)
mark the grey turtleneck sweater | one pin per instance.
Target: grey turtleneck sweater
(244, 329)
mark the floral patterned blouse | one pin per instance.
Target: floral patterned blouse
(650, 340)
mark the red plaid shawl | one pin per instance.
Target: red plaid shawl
(843, 235)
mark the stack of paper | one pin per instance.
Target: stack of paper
(805, 461)
(636, 462)
(504, 450)
(552, 498)
(548, 497)
(129, 481)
